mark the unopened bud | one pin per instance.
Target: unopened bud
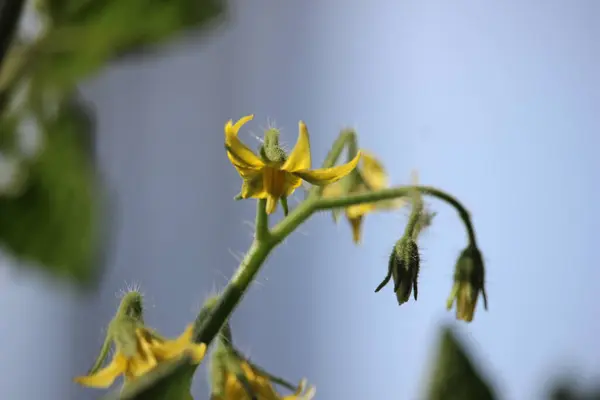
(403, 267)
(469, 277)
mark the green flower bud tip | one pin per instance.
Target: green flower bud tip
(132, 305)
(403, 267)
(271, 151)
(469, 277)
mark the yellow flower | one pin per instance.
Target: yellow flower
(261, 387)
(374, 177)
(466, 300)
(274, 180)
(137, 357)
(469, 277)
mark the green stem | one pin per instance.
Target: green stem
(260, 249)
(234, 291)
(415, 215)
(262, 221)
(400, 191)
(249, 267)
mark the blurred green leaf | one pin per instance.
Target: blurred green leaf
(169, 380)
(568, 390)
(87, 33)
(52, 222)
(10, 14)
(454, 375)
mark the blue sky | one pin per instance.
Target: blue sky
(493, 102)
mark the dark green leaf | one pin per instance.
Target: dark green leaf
(454, 375)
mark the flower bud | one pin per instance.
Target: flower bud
(234, 376)
(138, 349)
(469, 278)
(403, 267)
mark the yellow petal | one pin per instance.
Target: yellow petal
(272, 204)
(245, 171)
(326, 176)
(356, 224)
(198, 351)
(138, 366)
(174, 348)
(291, 183)
(299, 158)
(238, 153)
(304, 392)
(373, 172)
(233, 129)
(253, 187)
(106, 376)
(359, 210)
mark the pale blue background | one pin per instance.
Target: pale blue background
(496, 102)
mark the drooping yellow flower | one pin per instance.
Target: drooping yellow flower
(465, 296)
(374, 177)
(468, 284)
(136, 357)
(277, 179)
(261, 387)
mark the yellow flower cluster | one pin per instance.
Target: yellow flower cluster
(146, 351)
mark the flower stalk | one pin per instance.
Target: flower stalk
(266, 240)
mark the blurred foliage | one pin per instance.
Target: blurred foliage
(52, 220)
(454, 376)
(50, 214)
(568, 391)
(85, 34)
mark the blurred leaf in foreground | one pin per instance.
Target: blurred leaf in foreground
(52, 222)
(568, 390)
(84, 34)
(454, 375)
(170, 380)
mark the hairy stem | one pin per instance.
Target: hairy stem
(400, 191)
(262, 221)
(415, 215)
(260, 249)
